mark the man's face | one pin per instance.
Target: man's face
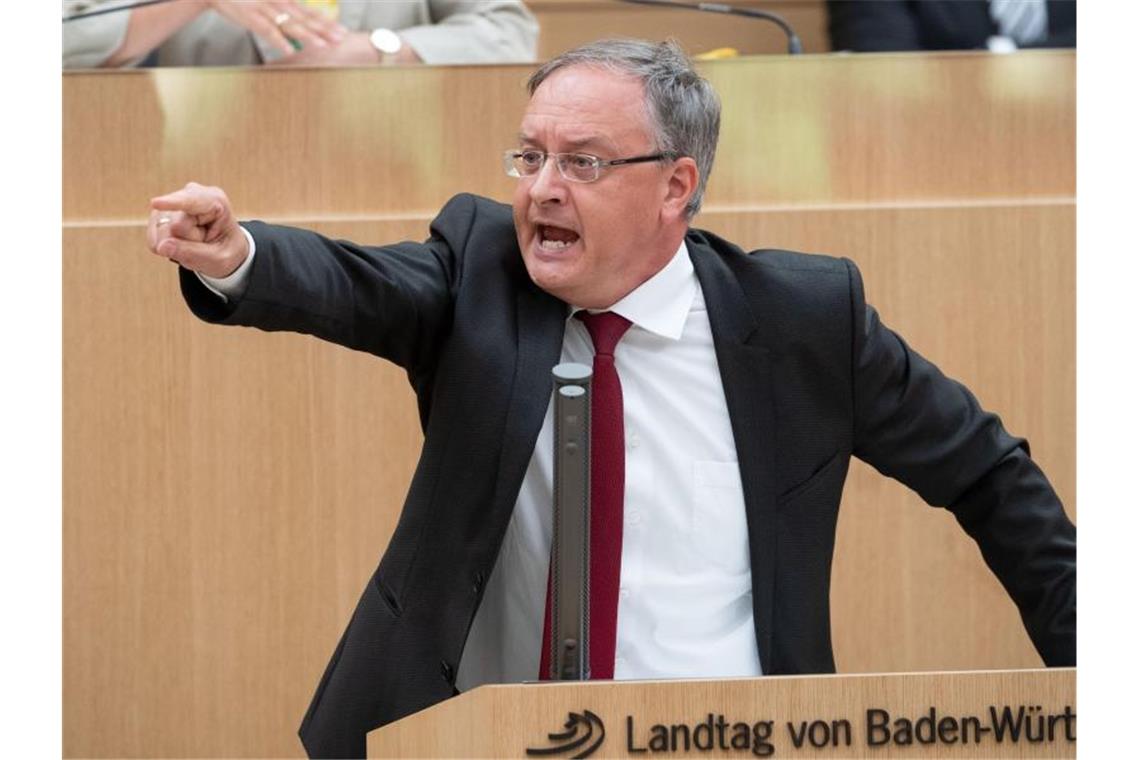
(619, 228)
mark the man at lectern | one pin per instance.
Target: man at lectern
(742, 383)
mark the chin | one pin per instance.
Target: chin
(551, 277)
(556, 272)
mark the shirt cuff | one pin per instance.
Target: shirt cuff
(1000, 44)
(233, 284)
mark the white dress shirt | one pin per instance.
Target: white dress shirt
(685, 602)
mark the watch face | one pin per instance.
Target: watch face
(386, 41)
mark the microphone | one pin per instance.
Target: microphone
(113, 9)
(570, 549)
(795, 47)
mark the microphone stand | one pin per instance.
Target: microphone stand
(795, 47)
(570, 548)
(112, 9)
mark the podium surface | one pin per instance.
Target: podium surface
(977, 714)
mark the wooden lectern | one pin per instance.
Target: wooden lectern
(1002, 713)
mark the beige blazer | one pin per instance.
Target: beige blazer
(440, 31)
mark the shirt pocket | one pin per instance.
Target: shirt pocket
(719, 527)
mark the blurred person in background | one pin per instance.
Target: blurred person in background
(299, 32)
(1001, 26)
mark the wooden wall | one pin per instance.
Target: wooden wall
(228, 492)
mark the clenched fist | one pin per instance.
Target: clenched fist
(196, 228)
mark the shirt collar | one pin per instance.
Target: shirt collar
(661, 304)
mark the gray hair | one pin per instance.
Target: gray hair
(682, 107)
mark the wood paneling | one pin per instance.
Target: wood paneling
(373, 143)
(228, 491)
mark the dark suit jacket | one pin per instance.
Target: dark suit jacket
(893, 25)
(811, 378)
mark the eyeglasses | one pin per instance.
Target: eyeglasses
(575, 167)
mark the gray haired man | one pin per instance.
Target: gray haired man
(746, 381)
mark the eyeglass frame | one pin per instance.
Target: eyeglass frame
(510, 155)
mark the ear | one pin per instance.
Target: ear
(680, 186)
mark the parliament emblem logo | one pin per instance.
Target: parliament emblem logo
(584, 732)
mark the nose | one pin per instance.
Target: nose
(548, 186)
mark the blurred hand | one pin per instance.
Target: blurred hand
(196, 228)
(353, 50)
(309, 26)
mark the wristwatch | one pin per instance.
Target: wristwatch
(386, 42)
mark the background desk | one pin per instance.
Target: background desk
(228, 492)
(564, 24)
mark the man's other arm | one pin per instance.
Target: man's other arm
(914, 424)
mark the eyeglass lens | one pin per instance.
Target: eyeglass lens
(578, 167)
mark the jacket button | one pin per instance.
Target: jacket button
(446, 671)
(478, 582)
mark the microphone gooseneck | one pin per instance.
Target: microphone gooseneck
(113, 9)
(795, 47)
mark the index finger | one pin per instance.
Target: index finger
(195, 202)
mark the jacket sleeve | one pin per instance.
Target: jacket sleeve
(394, 301)
(88, 42)
(475, 31)
(914, 424)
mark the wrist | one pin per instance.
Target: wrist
(243, 251)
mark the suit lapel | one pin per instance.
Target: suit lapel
(745, 369)
(541, 321)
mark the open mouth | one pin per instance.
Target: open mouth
(551, 238)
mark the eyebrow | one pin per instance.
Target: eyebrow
(574, 146)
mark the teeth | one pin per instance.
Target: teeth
(555, 245)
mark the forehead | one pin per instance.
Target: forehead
(583, 105)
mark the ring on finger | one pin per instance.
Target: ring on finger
(282, 18)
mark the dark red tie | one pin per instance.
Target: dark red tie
(607, 491)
